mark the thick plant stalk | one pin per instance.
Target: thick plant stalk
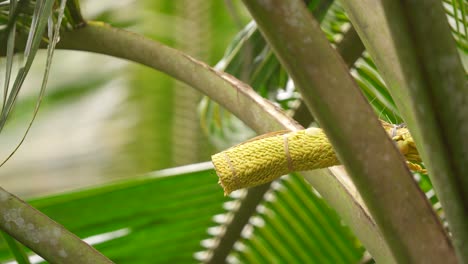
(411, 44)
(265, 159)
(374, 164)
(44, 236)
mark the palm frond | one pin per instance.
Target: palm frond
(167, 212)
(16, 249)
(457, 15)
(293, 225)
(42, 18)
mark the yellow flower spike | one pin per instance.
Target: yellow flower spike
(266, 158)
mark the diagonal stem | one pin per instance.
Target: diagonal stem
(411, 44)
(47, 238)
(377, 169)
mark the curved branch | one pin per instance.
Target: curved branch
(231, 93)
(44, 236)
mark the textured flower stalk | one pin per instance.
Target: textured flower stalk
(266, 158)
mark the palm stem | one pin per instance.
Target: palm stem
(418, 59)
(376, 167)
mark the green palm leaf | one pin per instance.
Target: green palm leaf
(156, 218)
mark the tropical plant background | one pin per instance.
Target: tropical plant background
(118, 151)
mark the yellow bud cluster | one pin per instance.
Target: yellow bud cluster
(266, 158)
